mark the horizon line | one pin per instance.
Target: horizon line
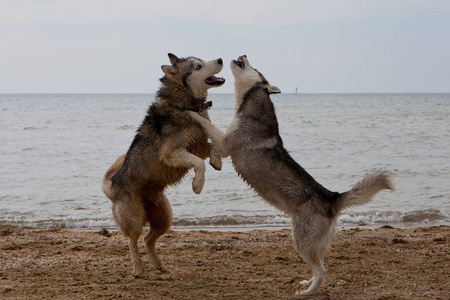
(229, 93)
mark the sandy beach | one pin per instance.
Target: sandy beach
(381, 263)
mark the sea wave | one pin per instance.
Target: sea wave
(414, 218)
(426, 216)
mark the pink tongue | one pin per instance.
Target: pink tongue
(213, 78)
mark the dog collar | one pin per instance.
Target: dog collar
(203, 107)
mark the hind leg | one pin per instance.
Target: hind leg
(136, 261)
(315, 260)
(159, 215)
(312, 237)
(130, 218)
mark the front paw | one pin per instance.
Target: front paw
(197, 184)
(199, 180)
(216, 162)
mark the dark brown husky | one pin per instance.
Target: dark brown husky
(166, 146)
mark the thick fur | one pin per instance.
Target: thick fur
(166, 146)
(258, 155)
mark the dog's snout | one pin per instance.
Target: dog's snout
(220, 61)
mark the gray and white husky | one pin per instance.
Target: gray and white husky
(258, 155)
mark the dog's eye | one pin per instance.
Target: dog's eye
(198, 67)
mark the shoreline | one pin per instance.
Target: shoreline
(341, 227)
(234, 228)
(379, 263)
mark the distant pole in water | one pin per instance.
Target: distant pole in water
(296, 90)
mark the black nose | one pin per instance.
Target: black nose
(220, 61)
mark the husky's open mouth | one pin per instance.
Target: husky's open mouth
(213, 80)
(240, 62)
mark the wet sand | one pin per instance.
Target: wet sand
(381, 263)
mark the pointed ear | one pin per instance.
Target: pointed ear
(271, 89)
(170, 71)
(173, 58)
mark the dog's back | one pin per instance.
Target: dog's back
(142, 164)
(258, 155)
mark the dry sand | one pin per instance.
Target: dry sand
(382, 263)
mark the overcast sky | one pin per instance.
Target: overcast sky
(319, 46)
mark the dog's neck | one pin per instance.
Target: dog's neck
(238, 98)
(181, 98)
(239, 93)
(204, 106)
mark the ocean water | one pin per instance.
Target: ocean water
(54, 150)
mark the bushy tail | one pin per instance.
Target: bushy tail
(106, 182)
(364, 190)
